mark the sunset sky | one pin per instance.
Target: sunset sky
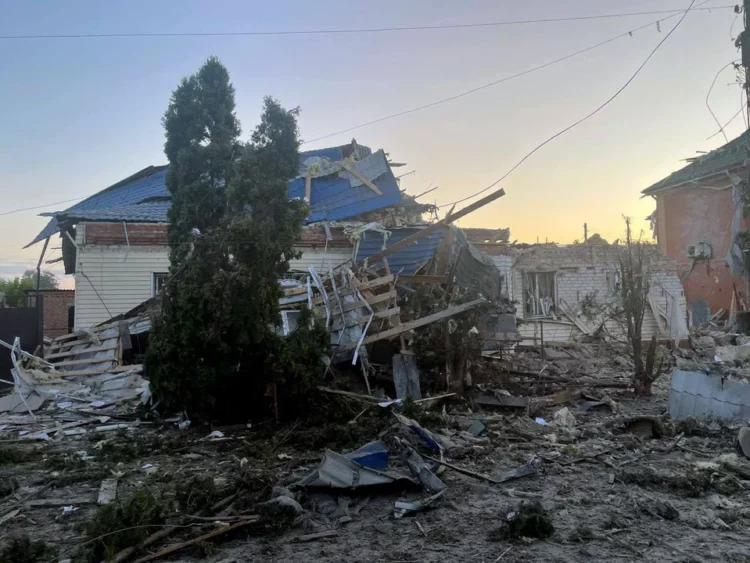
(80, 114)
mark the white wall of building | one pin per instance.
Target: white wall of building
(111, 280)
(573, 284)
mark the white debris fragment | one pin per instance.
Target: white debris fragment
(564, 418)
(215, 435)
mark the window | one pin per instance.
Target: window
(159, 281)
(539, 294)
(613, 282)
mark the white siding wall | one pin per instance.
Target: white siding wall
(573, 283)
(123, 278)
(111, 280)
(320, 259)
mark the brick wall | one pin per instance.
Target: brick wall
(136, 234)
(691, 215)
(56, 305)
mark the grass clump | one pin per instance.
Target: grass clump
(120, 525)
(22, 549)
(529, 520)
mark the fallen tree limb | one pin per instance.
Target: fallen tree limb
(464, 471)
(210, 535)
(318, 536)
(128, 552)
(349, 394)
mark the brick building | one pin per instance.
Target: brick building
(57, 309)
(697, 219)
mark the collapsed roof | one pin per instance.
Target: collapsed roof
(345, 181)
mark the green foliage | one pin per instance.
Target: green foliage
(14, 289)
(23, 550)
(453, 342)
(119, 525)
(215, 352)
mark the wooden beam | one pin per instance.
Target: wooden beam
(118, 369)
(84, 351)
(362, 319)
(372, 301)
(449, 312)
(364, 180)
(435, 226)
(423, 279)
(86, 361)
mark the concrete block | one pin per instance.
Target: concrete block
(695, 394)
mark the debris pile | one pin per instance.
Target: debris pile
(84, 379)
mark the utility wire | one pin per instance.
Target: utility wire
(432, 104)
(41, 206)
(586, 117)
(708, 94)
(345, 31)
(496, 82)
(460, 95)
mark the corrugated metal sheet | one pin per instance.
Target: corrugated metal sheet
(406, 261)
(144, 185)
(695, 394)
(333, 197)
(151, 212)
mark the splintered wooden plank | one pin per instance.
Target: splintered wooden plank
(118, 369)
(86, 361)
(84, 351)
(374, 300)
(411, 325)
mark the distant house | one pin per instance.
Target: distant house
(115, 242)
(558, 288)
(699, 213)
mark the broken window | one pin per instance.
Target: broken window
(159, 281)
(613, 282)
(540, 296)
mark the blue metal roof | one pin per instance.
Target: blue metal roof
(144, 185)
(150, 212)
(405, 261)
(334, 197)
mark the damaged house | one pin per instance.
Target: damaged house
(699, 223)
(115, 241)
(564, 293)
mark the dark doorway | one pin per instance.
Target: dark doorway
(22, 322)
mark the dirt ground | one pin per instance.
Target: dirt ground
(615, 491)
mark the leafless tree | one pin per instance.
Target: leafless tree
(635, 268)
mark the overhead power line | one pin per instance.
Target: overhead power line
(586, 117)
(500, 81)
(42, 206)
(349, 30)
(456, 96)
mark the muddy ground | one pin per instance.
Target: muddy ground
(615, 491)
